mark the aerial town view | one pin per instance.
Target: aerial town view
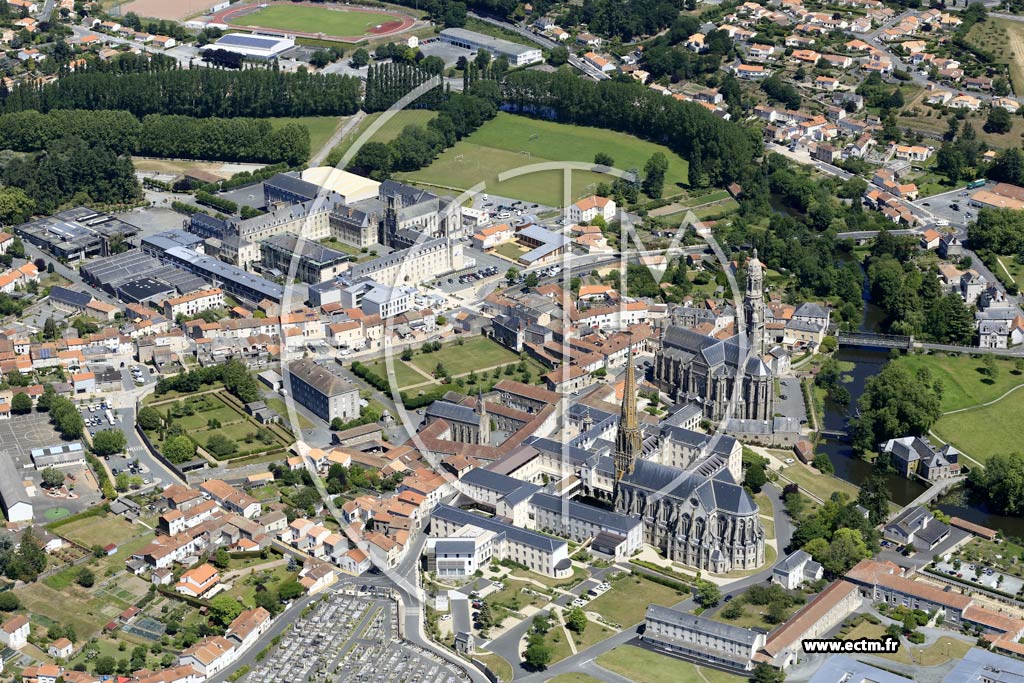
(494, 341)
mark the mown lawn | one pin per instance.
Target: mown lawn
(509, 142)
(821, 485)
(474, 354)
(983, 432)
(626, 603)
(644, 666)
(405, 376)
(964, 383)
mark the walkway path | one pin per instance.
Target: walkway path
(343, 129)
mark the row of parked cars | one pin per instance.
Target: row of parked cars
(478, 275)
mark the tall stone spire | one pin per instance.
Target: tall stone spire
(753, 305)
(628, 441)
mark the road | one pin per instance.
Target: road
(336, 137)
(184, 55)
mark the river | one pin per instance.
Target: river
(867, 363)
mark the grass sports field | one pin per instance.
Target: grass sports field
(510, 141)
(645, 666)
(307, 19)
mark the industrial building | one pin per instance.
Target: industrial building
(321, 389)
(516, 54)
(137, 277)
(76, 234)
(254, 47)
(235, 282)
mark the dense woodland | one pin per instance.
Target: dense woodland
(182, 137)
(724, 150)
(202, 93)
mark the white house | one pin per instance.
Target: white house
(588, 208)
(14, 632)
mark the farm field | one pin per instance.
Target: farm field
(306, 19)
(509, 141)
(167, 9)
(386, 133)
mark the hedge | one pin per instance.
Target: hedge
(95, 511)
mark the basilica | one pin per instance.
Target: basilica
(721, 376)
(699, 516)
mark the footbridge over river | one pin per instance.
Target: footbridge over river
(876, 341)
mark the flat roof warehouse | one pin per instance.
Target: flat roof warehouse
(257, 47)
(517, 54)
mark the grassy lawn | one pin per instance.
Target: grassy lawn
(404, 375)
(509, 142)
(278, 406)
(511, 250)
(644, 666)
(941, 651)
(626, 603)
(821, 485)
(386, 133)
(593, 634)
(246, 591)
(307, 19)
(963, 383)
(983, 432)
(319, 127)
(497, 664)
(753, 617)
(558, 643)
(475, 354)
(866, 629)
(573, 678)
(99, 530)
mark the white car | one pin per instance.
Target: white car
(789, 461)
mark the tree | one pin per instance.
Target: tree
(17, 248)
(846, 549)
(85, 578)
(179, 449)
(290, 590)
(998, 121)
(360, 58)
(109, 441)
(755, 477)
(531, 280)
(21, 403)
(220, 445)
(122, 481)
(221, 558)
(990, 368)
(654, 175)
(778, 612)
(707, 594)
(52, 477)
(558, 56)
(734, 610)
(822, 463)
(511, 275)
(765, 673)
(224, 609)
(1001, 483)
(104, 666)
(895, 403)
(576, 620)
(9, 601)
(50, 330)
(149, 419)
(604, 159)
(538, 653)
(485, 617)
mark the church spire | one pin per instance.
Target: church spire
(628, 441)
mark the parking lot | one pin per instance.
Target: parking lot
(18, 437)
(790, 402)
(953, 207)
(985, 576)
(350, 638)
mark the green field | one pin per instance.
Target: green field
(821, 485)
(475, 354)
(983, 432)
(331, 22)
(644, 666)
(319, 127)
(278, 406)
(386, 133)
(964, 384)
(509, 142)
(626, 603)
(404, 375)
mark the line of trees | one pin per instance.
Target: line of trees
(724, 150)
(203, 93)
(233, 374)
(234, 139)
(388, 83)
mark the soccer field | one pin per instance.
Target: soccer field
(511, 141)
(307, 19)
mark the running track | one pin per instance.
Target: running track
(399, 23)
